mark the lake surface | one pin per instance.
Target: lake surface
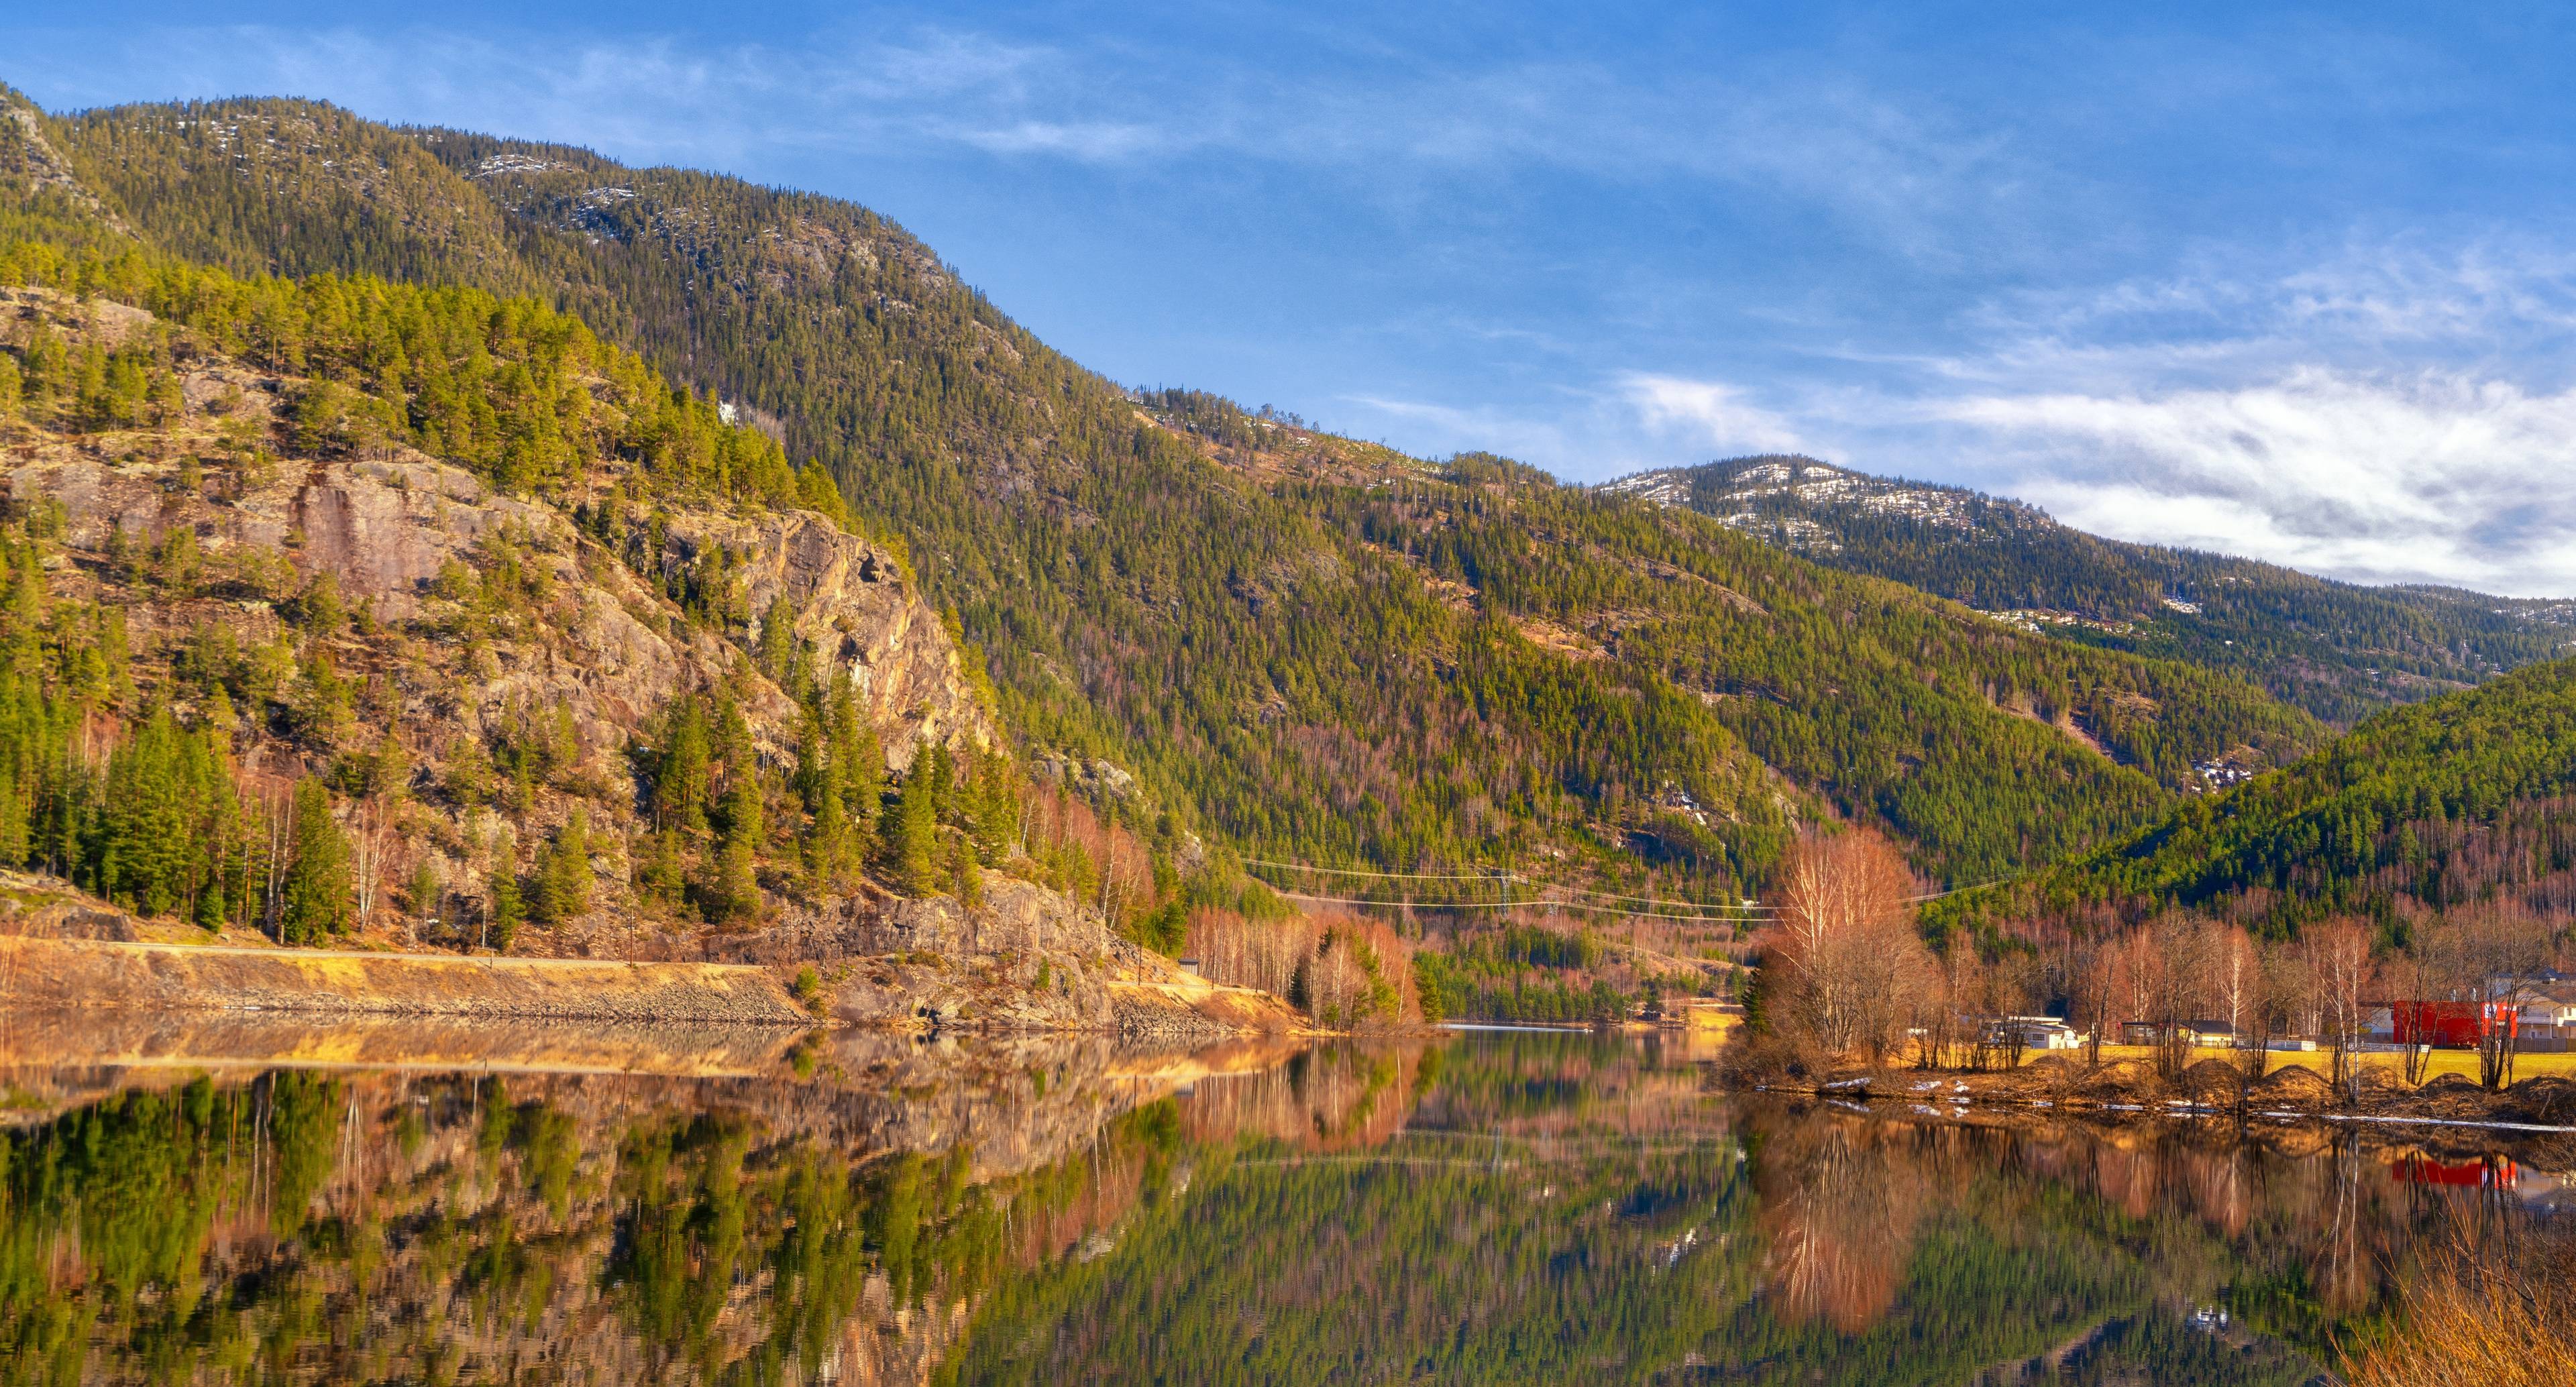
(1498, 1207)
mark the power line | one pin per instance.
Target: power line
(1496, 875)
(1705, 910)
(1956, 890)
(1650, 900)
(1494, 905)
(1418, 905)
(1564, 896)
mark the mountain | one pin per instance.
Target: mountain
(1214, 624)
(342, 609)
(1983, 745)
(2464, 799)
(2339, 650)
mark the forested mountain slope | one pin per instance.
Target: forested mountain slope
(348, 607)
(1472, 666)
(2339, 650)
(2466, 799)
(1959, 733)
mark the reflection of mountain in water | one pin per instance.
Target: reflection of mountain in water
(873, 1209)
(834, 1218)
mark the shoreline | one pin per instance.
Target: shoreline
(64, 976)
(2535, 1115)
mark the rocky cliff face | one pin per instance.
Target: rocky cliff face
(605, 647)
(469, 668)
(851, 600)
(462, 621)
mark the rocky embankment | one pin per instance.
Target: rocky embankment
(81, 974)
(1025, 961)
(2535, 1116)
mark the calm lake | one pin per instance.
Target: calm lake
(464, 1206)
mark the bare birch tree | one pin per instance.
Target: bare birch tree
(1845, 946)
(2338, 957)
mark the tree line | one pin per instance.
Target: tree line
(1846, 974)
(2337, 650)
(1268, 677)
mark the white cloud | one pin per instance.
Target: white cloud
(1894, 173)
(2386, 407)
(1091, 141)
(2431, 478)
(1711, 413)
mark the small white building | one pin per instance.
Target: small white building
(2034, 1032)
(2548, 1012)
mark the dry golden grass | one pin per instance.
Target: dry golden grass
(2460, 1335)
(2461, 1062)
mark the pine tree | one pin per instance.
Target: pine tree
(501, 922)
(318, 608)
(912, 846)
(680, 790)
(665, 875)
(315, 899)
(563, 881)
(965, 878)
(994, 790)
(828, 855)
(427, 892)
(858, 760)
(778, 642)
(733, 744)
(737, 887)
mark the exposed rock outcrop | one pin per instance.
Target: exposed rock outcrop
(468, 670)
(854, 603)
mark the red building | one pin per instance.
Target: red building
(2458, 1024)
(2490, 1172)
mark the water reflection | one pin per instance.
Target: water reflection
(874, 1210)
(1840, 1202)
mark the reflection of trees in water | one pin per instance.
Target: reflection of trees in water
(2345, 1263)
(1331, 1099)
(1840, 1202)
(333, 1229)
(1553, 1208)
(2308, 1246)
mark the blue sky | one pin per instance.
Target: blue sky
(2295, 283)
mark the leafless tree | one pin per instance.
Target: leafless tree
(2241, 971)
(2236, 973)
(1938, 1005)
(2264, 1010)
(2426, 970)
(2096, 981)
(2012, 987)
(2169, 968)
(2338, 959)
(1845, 944)
(372, 820)
(2500, 948)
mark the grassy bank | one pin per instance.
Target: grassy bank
(2463, 1063)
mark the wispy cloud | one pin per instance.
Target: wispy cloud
(2391, 411)
(2367, 403)
(2386, 413)
(1713, 414)
(2434, 477)
(1895, 173)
